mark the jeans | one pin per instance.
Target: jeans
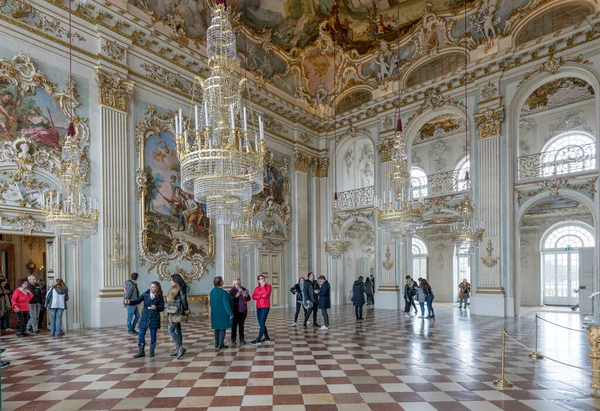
(5, 320)
(325, 317)
(22, 321)
(407, 303)
(220, 338)
(358, 311)
(298, 307)
(239, 319)
(429, 299)
(34, 313)
(313, 311)
(261, 315)
(175, 333)
(56, 321)
(142, 335)
(422, 305)
(465, 298)
(133, 315)
(41, 317)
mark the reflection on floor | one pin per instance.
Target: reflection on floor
(387, 362)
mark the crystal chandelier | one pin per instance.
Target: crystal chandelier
(396, 211)
(221, 164)
(336, 247)
(69, 213)
(247, 232)
(467, 232)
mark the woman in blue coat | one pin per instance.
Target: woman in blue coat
(153, 306)
(221, 312)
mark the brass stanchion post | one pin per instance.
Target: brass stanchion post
(502, 382)
(535, 355)
(593, 334)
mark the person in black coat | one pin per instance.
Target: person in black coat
(298, 291)
(358, 297)
(324, 300)
(310, 298)
(154, 304)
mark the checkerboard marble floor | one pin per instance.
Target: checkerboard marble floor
(386, 362)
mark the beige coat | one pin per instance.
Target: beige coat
(463, 289)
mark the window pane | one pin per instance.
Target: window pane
(569, 236)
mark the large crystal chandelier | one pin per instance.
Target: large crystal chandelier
(467, 232)
(221, 164)
(397, 212)
(69, 213)
(336, 246)
(247, 232)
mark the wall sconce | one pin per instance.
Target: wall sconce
(118, 258)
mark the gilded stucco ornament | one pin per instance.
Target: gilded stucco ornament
(490, 261)
(554, 184)
(388, 264)
(553, 64)
(302, 161)
(434, 99)
(23, 222)
(158, 255)
(489, 122)
(385, 147)
(113, 50)
(321, 167)
(115, 90)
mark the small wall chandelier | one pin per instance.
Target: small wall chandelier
(69, 213)
(221, 164)
(336, 247)
(247, 232)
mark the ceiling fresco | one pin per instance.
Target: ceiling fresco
(557, 93)
(440, 126)
(291, 44)
(553, 204)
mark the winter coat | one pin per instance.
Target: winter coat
(37, 294)
(407, 291)
(369, 287)
(131, 290)
(5, 305)
(238, 301)
(21, 300)
(309, 292)
(220, 309)
(325, 295)
(297, 291)
(150, 318)
(464, 288)
(358, 293)
(262, 295)
(57, 297)
(178, 297)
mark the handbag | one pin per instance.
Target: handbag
(171, 309)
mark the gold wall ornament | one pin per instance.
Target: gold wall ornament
(384, 148)
(388, 264)
(115, 90)
(553, 64)
(160, 242)
(302, 161)
(31, 242)
(117, 258)
(113, 50)
(593, 335)
(489, 122)
(554, 184)
(321, 169)
(489, 261)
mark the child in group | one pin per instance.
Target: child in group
(154, 304)
(20, 305)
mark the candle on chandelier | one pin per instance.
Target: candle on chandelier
(195, 118)
(180, 121)
(176, 127)
(245, 120)
(232, 117)
(185, 139)
(205, 113)
(261, 128)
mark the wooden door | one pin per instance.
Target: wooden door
(270, 267)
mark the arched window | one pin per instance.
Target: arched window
(435, 68)
(418, 181)
(460, 174)
(419, 258)
(552, 21)
(560, 262)
(568, 153)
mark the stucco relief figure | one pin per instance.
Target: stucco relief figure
(484, 21)
(387, 63)
(9, 113)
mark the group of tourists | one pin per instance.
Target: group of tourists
(420, 291)
(312, 295)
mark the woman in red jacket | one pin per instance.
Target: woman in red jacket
(20, 305)
(262, 295)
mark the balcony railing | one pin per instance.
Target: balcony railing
(567, 160)
(359, 198)
(438, 184)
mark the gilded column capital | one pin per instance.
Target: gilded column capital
(384, 147)
(489, 122)
(302, 161)
(321, 167)
(115, 90)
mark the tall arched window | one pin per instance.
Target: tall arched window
(560, 262)
(462, 264)
(460, 173)
(568, 153)
(418, 180)
(419, 258)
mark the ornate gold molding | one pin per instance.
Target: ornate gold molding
(388, 264)
(554, 184)
(553, 64)
(489, 122)
(490, 261)
(321, 165)
(302, 161)
(384, 147)
(114, 89)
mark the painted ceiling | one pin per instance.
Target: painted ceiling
(291, 44)
(552, 205)
(557, 93)
(440, 126)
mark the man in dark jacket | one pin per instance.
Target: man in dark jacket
(35, 304)
(311, 299)
(358, 297)
(410, 290)
(240, 297)
(131, 293)
(324, 300)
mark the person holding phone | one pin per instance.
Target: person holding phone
(154, 304)
(240, 297)
(262, 296)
